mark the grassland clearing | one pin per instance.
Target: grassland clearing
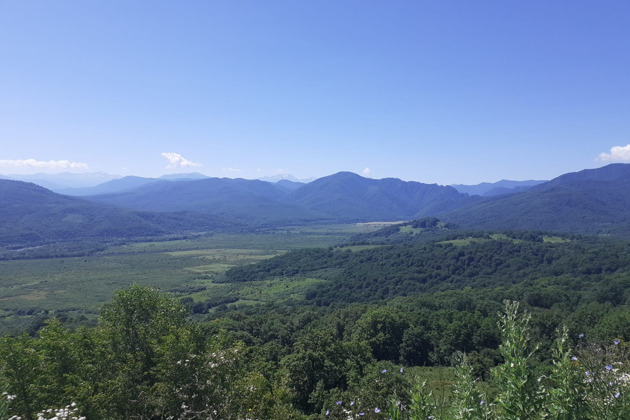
(77, 287)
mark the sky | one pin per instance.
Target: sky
(447, 92)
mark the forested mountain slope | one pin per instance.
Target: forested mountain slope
(250, 202)
(589, 201)
(347, 196)
(342, 197)
(31, 215)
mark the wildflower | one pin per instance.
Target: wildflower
(377, 410)
(384, 371)
(401, 370)
(362, 413)
(617, 395)
(608, 367)
(481, 402)
(574, 359)
(616, 342)
(339, 402)
(351, 403)
(611, 383)
(327, 412)
(587, 373)
(581, 336)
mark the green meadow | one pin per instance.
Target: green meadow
(76, 287)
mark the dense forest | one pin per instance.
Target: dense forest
(384, 318)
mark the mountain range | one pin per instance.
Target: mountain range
(92, 183)
(491, 189)
(342, 197)
(594, 201)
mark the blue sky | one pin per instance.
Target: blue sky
(431, 91)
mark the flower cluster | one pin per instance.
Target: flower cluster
(69, 412)
(360, 408)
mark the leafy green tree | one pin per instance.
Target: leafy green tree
(137, 322)
(416, 346)
(383, 329)
(321, 362)
(21, 369)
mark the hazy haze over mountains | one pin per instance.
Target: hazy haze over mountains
(90, 183)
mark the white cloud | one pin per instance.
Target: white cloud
(51, 164)
(175, 160)
(366, 171)
(231, 170)
(617, 154)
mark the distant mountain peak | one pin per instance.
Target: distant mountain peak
(505, 186)
(190, 175)
(284, 177)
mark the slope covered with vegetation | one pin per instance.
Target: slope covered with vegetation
(37, 222)
(594, 201)
(147, 360)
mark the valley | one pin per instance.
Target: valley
(74, 288)
(338, 296)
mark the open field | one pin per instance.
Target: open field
(77, 287)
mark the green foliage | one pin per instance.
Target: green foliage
(383, 330)
(516, 378)
(145, 360)
(590, 386)
(563, 389)
(286, 357)
(469, 401)
(483, 260)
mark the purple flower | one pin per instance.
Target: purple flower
(401, 370)
(617, 395)
(362, 413)
(588, 373)
(338, 402)
(574, 359)
(377, 410)
(616, 342)
(608, 367)
(581, 336)
(327, 412)
(611, 383)
(351, 403)
(481, 402)
(384, 371)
